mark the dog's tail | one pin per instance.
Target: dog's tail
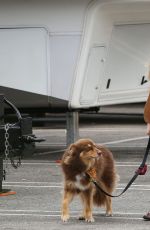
(99, 197)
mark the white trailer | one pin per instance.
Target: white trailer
(74, 54)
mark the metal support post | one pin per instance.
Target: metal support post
(72, 126)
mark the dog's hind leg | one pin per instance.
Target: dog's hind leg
(67, 198)
(108, 206)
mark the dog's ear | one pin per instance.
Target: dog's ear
(69, 153)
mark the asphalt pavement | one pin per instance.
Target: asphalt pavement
(39, 182)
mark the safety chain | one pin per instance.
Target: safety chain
(6, 128)
(7, 150)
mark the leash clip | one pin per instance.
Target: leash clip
(142, 170)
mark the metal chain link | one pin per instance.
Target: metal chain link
(6, 128)
(8, 148)
(5, 167)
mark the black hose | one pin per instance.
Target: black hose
(13, 107)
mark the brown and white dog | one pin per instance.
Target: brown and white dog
(80, 158)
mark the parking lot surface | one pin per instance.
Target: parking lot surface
(39, 183)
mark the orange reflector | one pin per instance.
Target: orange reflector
(8, 193)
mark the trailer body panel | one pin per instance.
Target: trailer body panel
(76, 55)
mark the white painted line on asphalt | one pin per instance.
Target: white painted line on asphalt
(61, 183)
(129, 165)
(28, 214)
(123, 140)
(51, 144)
(71, 212)
(140, 185)
(120, 186)
(118, 163)
(23, 210)
(121, 216)
(134, 185)
(112, 129)
(135, 189)
(31, 182)
(38, 163)
(47, 131)
(33, 186)
(87, 129)
(55, 164)
(126, 218)
(104, 143)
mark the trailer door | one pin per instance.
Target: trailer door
(93, 76)
(126, 66)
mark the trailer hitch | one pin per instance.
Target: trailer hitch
(16, 137)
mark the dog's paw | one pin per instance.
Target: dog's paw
(108, 214)
(65, 218)
(89, 219)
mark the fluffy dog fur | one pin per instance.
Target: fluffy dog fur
(80, 157)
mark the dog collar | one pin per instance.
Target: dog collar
(92, 173)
